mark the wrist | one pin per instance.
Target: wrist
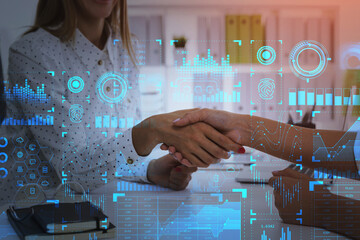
(144, 138)
(244, 128)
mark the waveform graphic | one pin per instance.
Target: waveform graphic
(208, 64)
(26, 94)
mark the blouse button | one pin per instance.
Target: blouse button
(108, 89)
(130, 161)
(100, 62)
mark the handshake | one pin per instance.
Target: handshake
(195, 138)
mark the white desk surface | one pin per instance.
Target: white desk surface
(149, 212)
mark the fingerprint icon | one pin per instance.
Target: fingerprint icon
(76, 113)
(266, 88)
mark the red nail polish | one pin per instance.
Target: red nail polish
(241, 150)
(178, 169)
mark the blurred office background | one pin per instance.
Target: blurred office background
(199, 74)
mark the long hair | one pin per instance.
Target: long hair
(59, 18)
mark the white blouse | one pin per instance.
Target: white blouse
(95, 100)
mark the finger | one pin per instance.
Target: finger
(186, 162)
(272, 180)
(172, 149)
(178, 156)
(164, 147)
(205, 157)
(187, 170)
(213, 149)
(192, 117)
(200, 159)
(223, 141)
(179, 185)
(278, 201)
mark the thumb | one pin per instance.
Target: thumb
(190, 118)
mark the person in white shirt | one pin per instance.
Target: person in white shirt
(82, 54)
(338, 153)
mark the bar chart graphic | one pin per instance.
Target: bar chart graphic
(220, 97)
(34, 121)
(324, 96)
(107, 121)
(136, 187)
(25, 94)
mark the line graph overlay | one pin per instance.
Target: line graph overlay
(197, 216)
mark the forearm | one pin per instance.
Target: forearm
(300, 145)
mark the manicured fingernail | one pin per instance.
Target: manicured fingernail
(176, 120)
(178, 169)
(241, 150)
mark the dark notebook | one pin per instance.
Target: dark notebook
(70, 217)
(31, 229)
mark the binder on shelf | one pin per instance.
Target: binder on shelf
(326, 34)
(138, 27)
(312, 33)
(298, 31)
(203, 37)
(271, 29)
(232, 48)
(215, 34)
(257, 33)
(285, 29)
(244, 34)
(155, 32)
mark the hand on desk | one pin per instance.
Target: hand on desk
(169, 173)
(319, 208)
(284, 182)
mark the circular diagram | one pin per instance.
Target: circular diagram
(111, 88)
(76, 113)
(76, 84)
(5, 142)
(300, 48)
(350, 57)
(266, 88)
(3, 157)
(3, 173)
(266, 55)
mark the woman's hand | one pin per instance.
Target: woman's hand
(169, 173)
(200, 143)
(234, 126)
(306, 207)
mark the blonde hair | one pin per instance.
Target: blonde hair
(59, 18)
